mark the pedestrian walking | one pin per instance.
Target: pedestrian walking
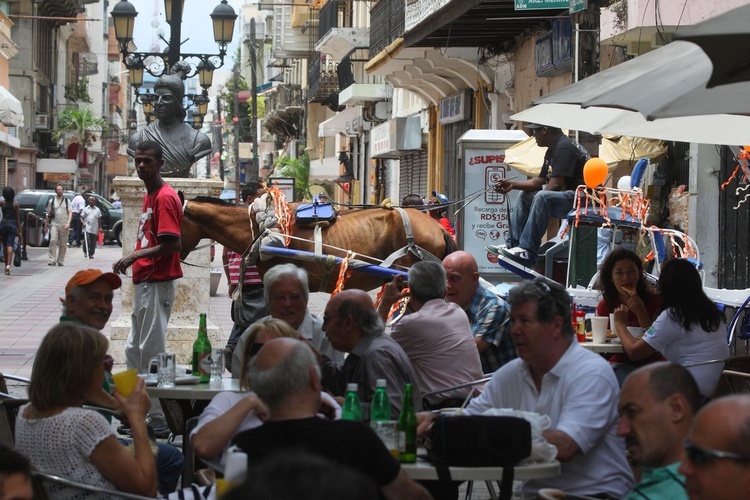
(57, 221)
(10, 226)
(76, 224)
(91, 217)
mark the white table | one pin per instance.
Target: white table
(204, 391)
(425, 471)
(605, 348)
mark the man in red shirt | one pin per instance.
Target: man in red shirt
(155, 261)
(249, 305)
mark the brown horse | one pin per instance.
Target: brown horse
(374, 232)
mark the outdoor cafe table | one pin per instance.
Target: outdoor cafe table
(603, 348)
(182, 402)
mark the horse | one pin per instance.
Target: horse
(370, 232)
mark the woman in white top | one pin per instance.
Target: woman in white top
(60, 437)
(689, 330)
(230, 413)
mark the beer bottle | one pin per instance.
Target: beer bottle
(407, 428)
(380, 408)
(352, 409)
(202, 352)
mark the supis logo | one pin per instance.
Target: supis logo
(486, 159)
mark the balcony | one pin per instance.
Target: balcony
(323, 81)
(386, 24)
(284, 108)
(337, 35)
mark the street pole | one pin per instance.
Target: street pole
(221, 138)
(175, 32)
(236, 137)
(254, 93)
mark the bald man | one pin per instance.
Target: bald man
(286, 377)
(352, 325)
(488, 313)
(656, 407)
(717, 463)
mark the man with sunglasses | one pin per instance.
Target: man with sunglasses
(717, 462)
(575, 387)
(549, 195)
(657, 405)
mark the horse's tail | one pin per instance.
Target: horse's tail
(450, 243)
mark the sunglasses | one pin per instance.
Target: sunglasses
(700, 456)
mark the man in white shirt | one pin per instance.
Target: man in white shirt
(76, 227)
(557, 377)
(92, 224)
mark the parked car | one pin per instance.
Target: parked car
(35, 201)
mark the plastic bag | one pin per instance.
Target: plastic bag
(46, 236)
(541, 449)
(679, 207)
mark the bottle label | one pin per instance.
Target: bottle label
(204, 363)
(402, 442)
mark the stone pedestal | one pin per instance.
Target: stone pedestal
(192, 296)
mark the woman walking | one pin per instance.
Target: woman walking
(10, 226)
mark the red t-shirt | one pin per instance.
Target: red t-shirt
(652, 309)
(161, 216)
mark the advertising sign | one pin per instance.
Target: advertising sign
(486, 219)
(541, 4)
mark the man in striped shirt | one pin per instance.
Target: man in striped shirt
(249, 305)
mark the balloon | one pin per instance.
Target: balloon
(594, 172)
(746, 148)
(624, 183)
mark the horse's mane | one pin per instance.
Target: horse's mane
(211, 200)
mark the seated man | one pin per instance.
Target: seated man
(657, 405)
(487, 313)
(352, 325)
(286, 377)
(437, 337)
(15, 475)
(286, 293)
(717, 449)
(549, 195)
(575, 387)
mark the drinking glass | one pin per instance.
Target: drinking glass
(217, 365)
(167, 369)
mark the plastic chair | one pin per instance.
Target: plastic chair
(39, 478)
(188, 474)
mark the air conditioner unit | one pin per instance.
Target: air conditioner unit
(41, 122)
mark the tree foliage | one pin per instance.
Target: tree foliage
(299, 170)
(80, 121)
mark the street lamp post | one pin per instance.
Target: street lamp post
(157, 64)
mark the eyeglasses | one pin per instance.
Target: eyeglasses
(703, 456)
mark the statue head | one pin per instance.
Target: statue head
(170, 91)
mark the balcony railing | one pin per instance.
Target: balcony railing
(334, 14)
(386, 24)
(322, 80)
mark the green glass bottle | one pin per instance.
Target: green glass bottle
(352, 409)
(407, 428)
(202, 352)
(380, 407)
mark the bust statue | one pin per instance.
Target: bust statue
(182, 144)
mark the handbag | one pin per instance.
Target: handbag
(480, 441)
(17, 255)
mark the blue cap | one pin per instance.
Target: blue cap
(440, 197)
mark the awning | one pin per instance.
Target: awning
(11, 110)
(338, 123)
(327, 170)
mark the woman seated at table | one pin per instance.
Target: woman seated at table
(689, 330)
(62, 438)
(622, 282)
(230, 413)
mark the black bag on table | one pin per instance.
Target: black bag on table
(480, 441)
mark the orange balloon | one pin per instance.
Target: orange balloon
(746, 148)
(594, 172)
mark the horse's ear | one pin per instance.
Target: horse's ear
(182, 197)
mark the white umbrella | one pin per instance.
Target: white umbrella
(667, 82)
(703, 129)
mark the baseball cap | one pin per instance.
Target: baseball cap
(88, 276)
(440, 197)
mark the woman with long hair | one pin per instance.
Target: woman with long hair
(62, 438)
(622, 282)
(231, 413)
(10, 226)
(689, 330)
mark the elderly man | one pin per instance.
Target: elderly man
(437, 337)
(155, 260)
(88, 300)
(488, 313)
(286, 377)
(352, 325)
(286, 292)
(575, 387)
(717, 463)
(657, 405)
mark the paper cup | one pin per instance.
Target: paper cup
(125, 381)
(612, 323)
(599, 329)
